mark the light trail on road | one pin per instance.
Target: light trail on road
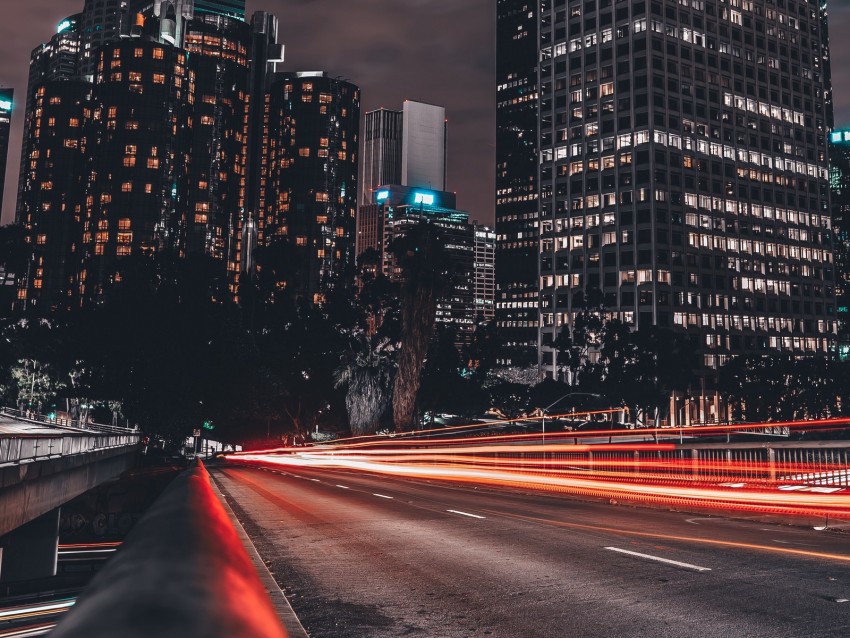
(642, 472)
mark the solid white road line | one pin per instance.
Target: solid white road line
(465, 514)
(381, 495)
(344, 487)
(660, 560)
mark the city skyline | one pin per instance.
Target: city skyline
(378, 50)
(375, 49)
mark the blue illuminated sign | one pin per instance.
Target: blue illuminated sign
(65, 24)
(423, 198)
(382, 195)
(5, 105)
(835, 137)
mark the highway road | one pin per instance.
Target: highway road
(360, 555)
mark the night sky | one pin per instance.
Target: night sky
(437, 51)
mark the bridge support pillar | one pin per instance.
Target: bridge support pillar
(31, 550)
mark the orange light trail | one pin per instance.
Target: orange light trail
(628, 471)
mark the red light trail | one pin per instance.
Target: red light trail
(640, 472)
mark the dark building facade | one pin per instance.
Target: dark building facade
(137, 196)
(382, 152)
(6, 105)
(58, 59)
(684, 171)
(228, 8)
(400, 208)
(308, 192)
(218, 48)
(839, 183)
(53, 193)
(102, 21)
(517, 241)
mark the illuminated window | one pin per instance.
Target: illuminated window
(301, 240)
(324, 98)
(102, 237)
(125, 238)
(116, 53)
(41, 240)
(340, 231)
(200, 218)
(135, 76)
(321, 197)
(153, 162)
(307, 98)
(123, 250)
(74, 122)
(130, 149)
(158, 54)
(115, 77)
(70, 143)
(51, 121)
(207, 119)
(323, 142)
(47, 186)
(132, 125)
(127, 187)
(159, 78)
(148, 188)
(124, 223)
(138, 53)
(98, 249)
(304, 152)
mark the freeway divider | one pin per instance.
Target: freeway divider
(182, 572)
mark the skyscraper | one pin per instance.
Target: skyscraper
(102, 21)
(229, 8)
(53, 192)
(381, 142)
(516, 180)
(218, 48)
(839, 184)
(400, 148)
(6, 104)
(424, 144)
(684, 171)
(140, 159)
(484, 269)
(58, 59)
(308, 192)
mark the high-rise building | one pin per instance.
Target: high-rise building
(6, 104)
(308, 190)
(102, 21)
(683, 171)
(266, 55)
(517, 239)
(839, 183)
(424, 144)
(381, 163)
(53, 193)
(138, 194)
(404, 148)
(403, 207)
(484, 271)
(228, 8)
(58, 59)
(218, 48)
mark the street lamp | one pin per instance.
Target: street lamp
(557, 401)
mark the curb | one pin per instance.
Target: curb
(288, 618)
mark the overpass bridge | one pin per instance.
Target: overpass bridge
(42, 466)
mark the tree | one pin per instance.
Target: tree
(366, 374)
(425, 266)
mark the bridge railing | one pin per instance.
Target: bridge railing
(77, 424)
(181, 572)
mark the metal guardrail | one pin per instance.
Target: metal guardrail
(181, 572)
(76, 424)
(18, 449)
(816, 463)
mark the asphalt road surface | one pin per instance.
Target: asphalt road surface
(360, 555)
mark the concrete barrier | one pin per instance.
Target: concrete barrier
(182, 572)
